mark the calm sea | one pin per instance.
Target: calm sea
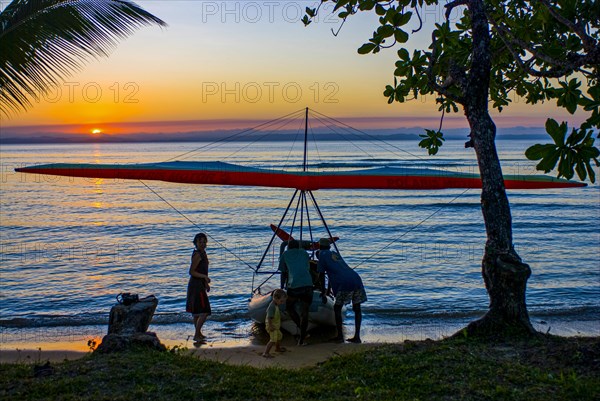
(68, 246)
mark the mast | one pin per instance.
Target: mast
(303, 193)
(305, 139)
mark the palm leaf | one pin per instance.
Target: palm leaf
(42, 42)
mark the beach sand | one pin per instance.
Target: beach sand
(230, 353)
(295, 357)
(36, 356)
(244, 346)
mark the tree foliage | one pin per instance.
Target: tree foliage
(539, 50)
(44, 41)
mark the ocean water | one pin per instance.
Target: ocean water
(68, 246)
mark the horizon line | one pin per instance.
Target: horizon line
(166, 127)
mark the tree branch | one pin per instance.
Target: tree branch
(523, 44)
(443, 89)
(456, 3)
(589, 43)
(481, 63)
(566, 67)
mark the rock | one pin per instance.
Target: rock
(134, 318)
(119, 343)
(127, 327)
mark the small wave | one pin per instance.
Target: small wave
(578, 313)
(423, 313)
(56, 320)
(581, 312)
(240, 315)
(102, 319)
(183, 317)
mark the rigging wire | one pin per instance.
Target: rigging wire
(374, 139)
(270, 132)
(315, 142)
(289, 155)
(344, 137)
(411, 229)
(234, 135)
(195, 225)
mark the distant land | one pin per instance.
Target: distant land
(12, 135)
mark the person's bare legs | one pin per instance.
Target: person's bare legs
(337, 312)
(357, 322)
(304, 308)
(291, 310)
(267, 353)
(198, 323)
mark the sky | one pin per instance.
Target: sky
(224, 64)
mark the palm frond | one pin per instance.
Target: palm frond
(44, 41)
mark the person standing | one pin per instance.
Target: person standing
(273, 323)
(295, 273)
(198, 287)
(346, 285)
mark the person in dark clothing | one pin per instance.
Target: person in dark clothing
(346, 285)
(295, 274)
(198, 287)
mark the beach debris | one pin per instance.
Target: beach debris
(128, 325)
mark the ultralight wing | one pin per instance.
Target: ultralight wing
(219, 173)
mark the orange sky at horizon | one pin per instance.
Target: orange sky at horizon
(228, 65)
(167, 127)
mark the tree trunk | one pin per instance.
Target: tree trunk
(504, 274)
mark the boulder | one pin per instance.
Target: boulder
(128, 325)
(119, 343)
(134, 318)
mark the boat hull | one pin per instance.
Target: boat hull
(320, 314)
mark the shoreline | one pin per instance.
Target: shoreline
(240, 352)
(244, 344)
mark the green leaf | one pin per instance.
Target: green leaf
(549, 161)
(568, 96)
(591, 172)
(432, 142)
(400, 36)
(403, 54)
(402, 19)
(340, 3)
(565, 166)
(580, 169)
(385, 31)
(556, 131)
(367, 48)
(536, 152)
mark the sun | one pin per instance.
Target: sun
(96, 131)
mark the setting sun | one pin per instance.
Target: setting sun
(96, 131)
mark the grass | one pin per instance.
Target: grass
(548, 368)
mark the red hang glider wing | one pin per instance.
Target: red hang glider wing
(219, 173)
